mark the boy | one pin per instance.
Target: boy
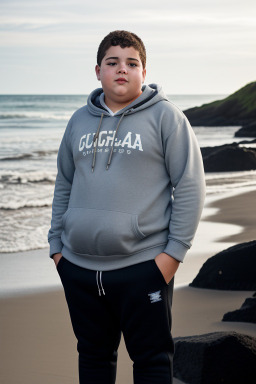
(128, 197)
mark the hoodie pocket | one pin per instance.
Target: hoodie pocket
(101, 232)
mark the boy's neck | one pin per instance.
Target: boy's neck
(115, 107)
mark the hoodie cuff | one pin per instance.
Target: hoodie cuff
(176, 249)
(55, 246)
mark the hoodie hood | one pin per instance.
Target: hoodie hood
(151, 94)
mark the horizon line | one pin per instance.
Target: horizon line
(87, 94)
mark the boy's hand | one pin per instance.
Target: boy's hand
(56, 258)
(167, 265)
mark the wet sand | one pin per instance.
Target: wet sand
(241, 210)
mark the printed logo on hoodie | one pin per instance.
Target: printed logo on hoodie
(105, 140)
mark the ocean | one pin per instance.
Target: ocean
(31, 129)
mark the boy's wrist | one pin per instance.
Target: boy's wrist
(56, 258)
(167, 265)
(56, 246)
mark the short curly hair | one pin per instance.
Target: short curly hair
(124, 39)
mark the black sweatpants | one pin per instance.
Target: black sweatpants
(134, 300)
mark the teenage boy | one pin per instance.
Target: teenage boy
(128, 198)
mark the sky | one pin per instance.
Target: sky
(193, 47)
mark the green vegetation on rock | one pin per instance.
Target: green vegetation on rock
(237, 109)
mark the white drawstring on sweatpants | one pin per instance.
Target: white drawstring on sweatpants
(99, 282)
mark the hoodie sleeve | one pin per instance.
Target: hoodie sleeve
(63, 184)
(185, 166)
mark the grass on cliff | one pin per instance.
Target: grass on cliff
(240, 103)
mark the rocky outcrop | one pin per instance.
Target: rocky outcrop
(232, 269)
(236, 109)
(228, 157)
(246, 314)
(215, 358)
(247, 131)
(247, 141)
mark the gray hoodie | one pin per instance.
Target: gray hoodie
(129, 186)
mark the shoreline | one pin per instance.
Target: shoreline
(240, 211)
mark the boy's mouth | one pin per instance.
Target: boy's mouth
(121, 80)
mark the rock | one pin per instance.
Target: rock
(232, 269)
(246, 314)
(227, 158)
(248, 130)
(236, 109)
(247, 141)
(216, 358)
(207, 151)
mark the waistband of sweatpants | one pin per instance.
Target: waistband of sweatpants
(108, 263)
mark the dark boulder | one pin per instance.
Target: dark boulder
(246, 314)
(207, 151)
(248, 130)
(226, 158)
(247, 141)
(232, 269)
(215, 358)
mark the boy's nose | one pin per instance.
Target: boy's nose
(122, 69)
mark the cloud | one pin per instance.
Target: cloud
(194, 33)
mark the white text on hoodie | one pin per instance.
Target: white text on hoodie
(131, 140)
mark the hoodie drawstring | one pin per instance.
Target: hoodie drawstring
(96, 145)
(112, 147)
(95, 142)
(99, 282)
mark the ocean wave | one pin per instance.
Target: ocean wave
(21, 156)
(26, 156)
(35, 115)
(229, 175)
(12, 116)
(24, 229)
(14, 247)
(27, 177)
(19, 205)
(225, 182)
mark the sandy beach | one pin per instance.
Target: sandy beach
(242, 211)
(37, 342)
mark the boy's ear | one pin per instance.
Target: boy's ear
(144, 75)
(97, 71)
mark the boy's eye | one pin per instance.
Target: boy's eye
(111, 64)
(132, 65)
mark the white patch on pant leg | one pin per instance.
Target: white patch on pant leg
(155, 296)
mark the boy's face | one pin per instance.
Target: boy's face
(121, 74)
